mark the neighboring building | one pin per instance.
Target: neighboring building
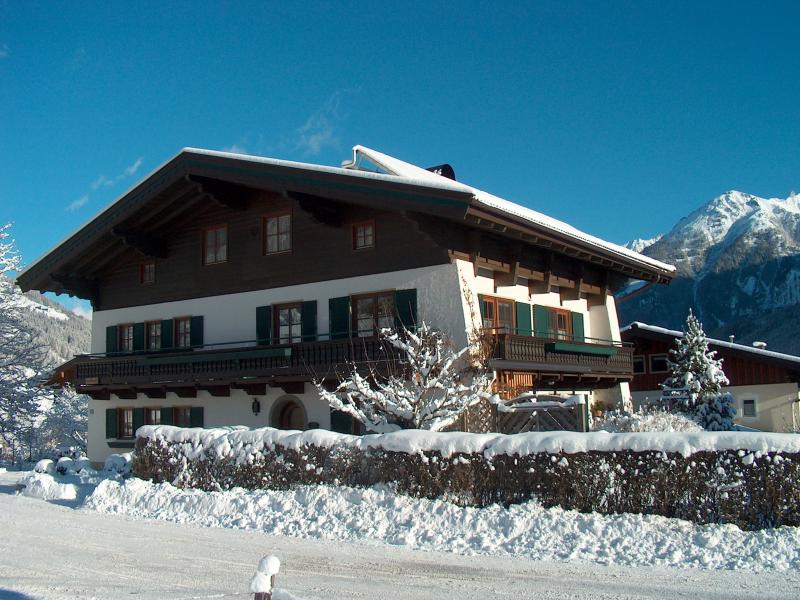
(223, 284)
(764, 384)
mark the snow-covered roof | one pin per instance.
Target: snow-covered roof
(424, 177)
(714, 342)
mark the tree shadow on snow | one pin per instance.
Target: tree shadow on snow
(11, 594)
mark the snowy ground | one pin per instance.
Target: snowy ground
(58, 549)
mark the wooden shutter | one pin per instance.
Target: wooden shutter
(541, 321)
(308, 320)
(405, 306)
(138, 336)
(138, 419)
(111, 423)
(264, 324)
(166, 415)
(111, 339)
(523, 315)
(196, 416)
(577, 327)
(167, 331)
(196, 332)
(339, 317)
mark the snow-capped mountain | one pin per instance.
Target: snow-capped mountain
(738, 268)
(639, 244)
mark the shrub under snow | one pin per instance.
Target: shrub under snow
(119, 464)
(645, 420)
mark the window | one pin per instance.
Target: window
(288, 325)
(277, 233)
(215, 245)
(749, 408)
(498, 314)
(183, 332)
(559, 323)
(364, 235)
(126, 337)
(125, 425)
(182, 416)
(373, 313)
(147, 273)
(658, 363)
(153, 333)
(152, 416)
(638, 364)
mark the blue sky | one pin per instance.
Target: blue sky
(617, 117)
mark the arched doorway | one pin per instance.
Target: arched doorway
(288, 413)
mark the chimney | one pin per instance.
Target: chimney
(731, 338)
(760, 345)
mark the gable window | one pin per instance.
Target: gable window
(182, 416)
(277, 233)
(363, 235)
(125, 424)
(288, 323)
(126, 337)
(372, 313)
(152, 416)
(498, 314)
(749, 408)
(153, 335)
(658, 363)
(215, 245)
(147, 273)
(638, 364)
(183, 332)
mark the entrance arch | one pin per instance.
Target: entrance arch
(288, 413)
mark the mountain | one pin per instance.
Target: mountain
(738, 268)
(63, 332)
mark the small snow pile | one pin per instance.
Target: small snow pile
(262, 581)
(119, 464)
(45, 466)
(645, 420)
(45, 487)
(377, 515)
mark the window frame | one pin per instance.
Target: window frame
(177, 410)
(375, 316)
(121, 423)
(122, 338)
(276, 323)
(556, 333)
(650, 358)
(217, 246)
(495, 301)
(147, 415)
(754, 416)
(354, 235)
(176, 331)
(148, 336)
(639, 357)
(265, 235)
(143, 269)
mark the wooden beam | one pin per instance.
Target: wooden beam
(322, 210)
(545, 285)
(184, 391)
(81, 287)
(251, 389)
(229, 195)
(474, 246)
(146, 244)
(218, 391)
(574, 292)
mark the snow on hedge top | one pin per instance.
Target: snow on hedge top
(233, 441)
(407, 170)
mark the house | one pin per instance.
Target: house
(224, 284)
(764, 384)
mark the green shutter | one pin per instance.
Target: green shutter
(308, 322)
(264, 324)
(196, 332)
(196, 416)
(167, 331)
(138, 419)
(405, 306)
(339, 317)
(577, 327)
(138, 337)
(524, 325)
(111, 339)
(166, 415)
(111, 423)
(541, 321)
(341, 422)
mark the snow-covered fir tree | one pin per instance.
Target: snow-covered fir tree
(697, 378)
(435, 385)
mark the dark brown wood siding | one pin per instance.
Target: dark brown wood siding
(319, 252)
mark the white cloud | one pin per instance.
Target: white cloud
(101, 181)
(320, 129)
(131, 170)
(236, 149)
(4, 51)
(78, 204)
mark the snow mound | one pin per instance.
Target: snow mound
(119, 464)
(643, 421)
(527, 530)
(45, 487)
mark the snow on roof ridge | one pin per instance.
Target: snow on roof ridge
(402, 168)
(713, 341)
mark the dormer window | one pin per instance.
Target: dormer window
(147, 273)
(363, 235)
(215, 245)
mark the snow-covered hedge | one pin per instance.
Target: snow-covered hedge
(750, 479)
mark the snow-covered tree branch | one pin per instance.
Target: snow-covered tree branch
(434, 386)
